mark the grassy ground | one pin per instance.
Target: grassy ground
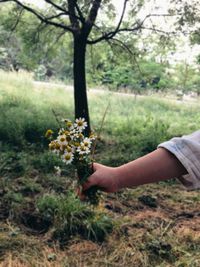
(42, 223)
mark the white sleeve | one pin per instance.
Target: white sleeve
(187, 151)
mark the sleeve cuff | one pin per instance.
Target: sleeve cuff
(182, 151)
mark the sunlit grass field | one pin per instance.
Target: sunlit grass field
(38, 228)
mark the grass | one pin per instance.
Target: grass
(43, 224)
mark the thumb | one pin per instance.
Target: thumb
(96, 166)
(91, 181)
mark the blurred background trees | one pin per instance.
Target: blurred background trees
(137, 62)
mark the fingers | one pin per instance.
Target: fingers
(80, 194)
(88, 184)
(92, 181)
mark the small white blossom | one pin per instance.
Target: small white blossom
(86, 142)
(62, 140)
(68, 157)
(83, 150)
(80, 124)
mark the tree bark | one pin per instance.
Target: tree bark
(80, 89)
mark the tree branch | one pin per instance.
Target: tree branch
(72, 15)
(66, 12)
(156, 30)
(40, 16)
(93, 12)
(56, 16)
(57, 6)
(135, 27)
(121, 18)
(82, 19)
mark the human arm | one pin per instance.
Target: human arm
(156, 166)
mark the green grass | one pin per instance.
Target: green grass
(35, 201)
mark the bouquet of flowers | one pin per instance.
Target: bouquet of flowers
(74, 148)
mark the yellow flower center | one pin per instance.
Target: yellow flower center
(57, 146)
(52, 146)
(62, 139)
(69, 124)
(67, 157)
(68, 138)
(67, 132)
(83, 148)
(64, 147)
(69, 149)
(48, 133)
(80, 135)
(76, 144)
(80, 123)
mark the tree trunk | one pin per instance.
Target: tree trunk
(80, 90)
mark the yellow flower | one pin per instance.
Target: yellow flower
(52, 145)
(69, 124)
(80, 135)
(66, 132)
(57, 146)
(48, 133)
(69, 149)
(77, 144)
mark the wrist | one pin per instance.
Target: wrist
(121, 177)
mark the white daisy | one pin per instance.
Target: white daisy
(80, 124)
(68, 157)
(68, 123)
(83, 150)
(86, 142)
(74, 134)
(62, 140)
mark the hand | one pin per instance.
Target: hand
(106, 178)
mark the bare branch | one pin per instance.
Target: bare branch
(56, 16)
(57, 6)
(40, 16)
(135, 27)
(121, 18)
(157, 30)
